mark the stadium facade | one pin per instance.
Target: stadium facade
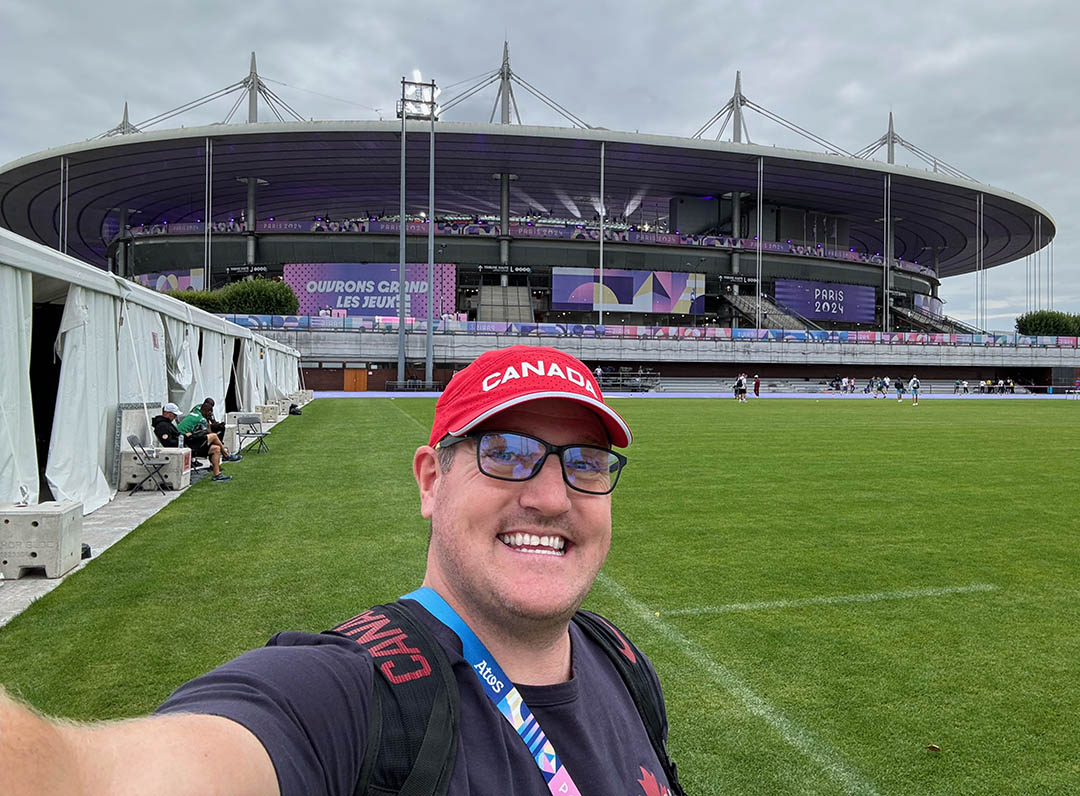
(531, 224)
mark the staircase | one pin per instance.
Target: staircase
(934, 323)
(508, 304)
(772, 317)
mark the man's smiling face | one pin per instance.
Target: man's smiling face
(505, 551)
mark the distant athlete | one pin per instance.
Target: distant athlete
(913, 385)
(899, 385)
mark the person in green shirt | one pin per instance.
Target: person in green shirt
(191, 423)
(203, 442)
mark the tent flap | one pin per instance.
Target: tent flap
(215, 368)
(18, 451)
(80, 448)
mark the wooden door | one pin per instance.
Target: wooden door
(355, 379)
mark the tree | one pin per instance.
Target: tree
(1049, 323)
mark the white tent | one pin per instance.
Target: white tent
(275, 380)
(216, 366)
(18, 456)
(118, 343)
(79, 453)
(185, 371)
(249, 375)
(141, 353)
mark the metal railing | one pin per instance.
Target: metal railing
(414, 385)
(538, 230)
(645, 381)
(388, 325)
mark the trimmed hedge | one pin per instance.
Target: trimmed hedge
(209, 300)
(248, 297)
(259, 297)
(1050, 323)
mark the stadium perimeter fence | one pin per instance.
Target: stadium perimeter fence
(389, 324)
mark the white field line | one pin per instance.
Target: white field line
(834, 600)
(794, 735)
(418, 423)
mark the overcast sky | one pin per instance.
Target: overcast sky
(987, 86)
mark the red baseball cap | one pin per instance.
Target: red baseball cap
(497, 380)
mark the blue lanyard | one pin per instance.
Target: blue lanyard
(502, 693)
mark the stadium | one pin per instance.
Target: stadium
(576, 231)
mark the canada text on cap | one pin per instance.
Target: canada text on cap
(498, 380)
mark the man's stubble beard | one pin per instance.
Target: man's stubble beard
(495, 612)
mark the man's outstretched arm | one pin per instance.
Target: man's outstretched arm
(175, 754)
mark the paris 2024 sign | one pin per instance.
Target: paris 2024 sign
(827, 301)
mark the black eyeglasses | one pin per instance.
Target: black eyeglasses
(511, 456)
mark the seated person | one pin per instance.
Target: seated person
(206, 409)
(168, 433)
(199, 437)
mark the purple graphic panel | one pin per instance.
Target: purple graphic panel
(827, 301)
(173, 280)
(369, 288)
(627, 291)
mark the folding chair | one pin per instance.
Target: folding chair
(249, 427)
(151, 467)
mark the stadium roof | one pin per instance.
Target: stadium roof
(345, 169)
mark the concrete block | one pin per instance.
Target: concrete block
(269, 412)
(230, 437)
(131, 418)
(176, 472)
(233, 418)
(48, 535)
(134, 421)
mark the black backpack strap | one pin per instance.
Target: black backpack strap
(640, 681)
(413, 721)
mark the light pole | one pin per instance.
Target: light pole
(889, 250)
(603, 212)
(418, 101)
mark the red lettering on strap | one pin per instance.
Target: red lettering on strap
(367, 628)
(370, 624)
(392, 646)
(366, 618)
(416, 674)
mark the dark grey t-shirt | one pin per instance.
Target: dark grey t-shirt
(306, 700)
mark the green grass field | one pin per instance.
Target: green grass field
(826, 587)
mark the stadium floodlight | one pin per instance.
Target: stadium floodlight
(419, 100)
